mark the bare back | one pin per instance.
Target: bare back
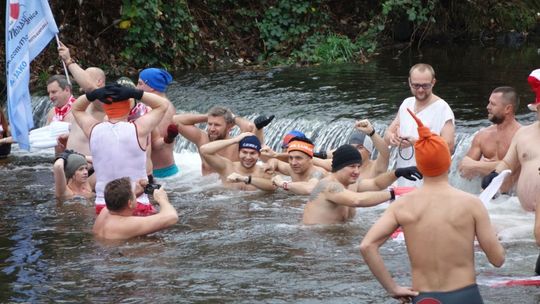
(440, 236)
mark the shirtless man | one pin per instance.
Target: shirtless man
(489, 145)
(219, 121)
(524, 152)
(88, 80)
(244, 174)
(433, 110)
(70, 171)
(300, 168)
(440, 224)
(116, 222)
(370, 168)
(332, 203)
(156, 81)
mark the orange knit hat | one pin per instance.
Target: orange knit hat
(431, 151)
(117, 109)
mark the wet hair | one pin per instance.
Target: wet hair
(117, 193)
(62, 81)
(218, 111)
(509, 95)
(422, 67)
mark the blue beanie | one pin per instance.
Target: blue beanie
(250, 142)
(157, 79)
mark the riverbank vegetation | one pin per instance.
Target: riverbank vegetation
(122, 36)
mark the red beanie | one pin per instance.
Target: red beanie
(431, 151)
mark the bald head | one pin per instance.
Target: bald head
(97, 75)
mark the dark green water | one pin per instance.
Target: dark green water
(232, 247)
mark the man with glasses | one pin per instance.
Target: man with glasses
(430, 108)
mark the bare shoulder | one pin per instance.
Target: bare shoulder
(317, 173)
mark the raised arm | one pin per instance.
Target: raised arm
(209, 152)
(245, 125)
(186, 127)
(149, 121)
(60, 182)
(369, 247)
(84, 120)
(381, 163)
(386, 179)
(82, 77)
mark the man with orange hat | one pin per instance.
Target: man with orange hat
(524, 152)
(485, 153)
(432, 109)
(118, 146)
(335, 197)
(440, 224)
(304, 175)
(243, 174)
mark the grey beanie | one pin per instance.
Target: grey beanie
(74, 162)
(359, 138)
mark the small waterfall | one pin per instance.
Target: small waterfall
(325, 134)
(330, 135)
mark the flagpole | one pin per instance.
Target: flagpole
(63, 63)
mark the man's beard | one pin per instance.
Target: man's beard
(497, 119)
(216, 137)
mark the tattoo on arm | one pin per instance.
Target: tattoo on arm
(316, 175)
(322, 186)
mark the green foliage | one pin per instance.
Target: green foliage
(285, 25)
(419, 12)
(513, 16)
(162, 33)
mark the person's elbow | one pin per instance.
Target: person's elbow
(498, 259)
(203, 150)
(367, 247)
(170, 218)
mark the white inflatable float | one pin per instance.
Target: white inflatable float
(45, 137)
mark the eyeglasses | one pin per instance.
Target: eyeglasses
(425, 86)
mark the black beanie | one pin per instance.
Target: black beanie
(345, 155)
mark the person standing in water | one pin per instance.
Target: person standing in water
(433, 110)
(489, 145)
(440, 224)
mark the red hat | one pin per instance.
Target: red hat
(534, 82)
(431, 151)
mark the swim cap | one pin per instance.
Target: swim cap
(344, 156)
(157, 79)
(360, 138)
(291, 135)
(117, 109)
(302, 145)
(431, 151)
(74, 162)
(250, 142)
(534, 82)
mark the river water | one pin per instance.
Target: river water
(236, 247)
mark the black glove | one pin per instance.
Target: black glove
(117, 92)
(320, 154)
(262, 121)
(410, 173)
(64, 155)
(100, 94)
(488, 178)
